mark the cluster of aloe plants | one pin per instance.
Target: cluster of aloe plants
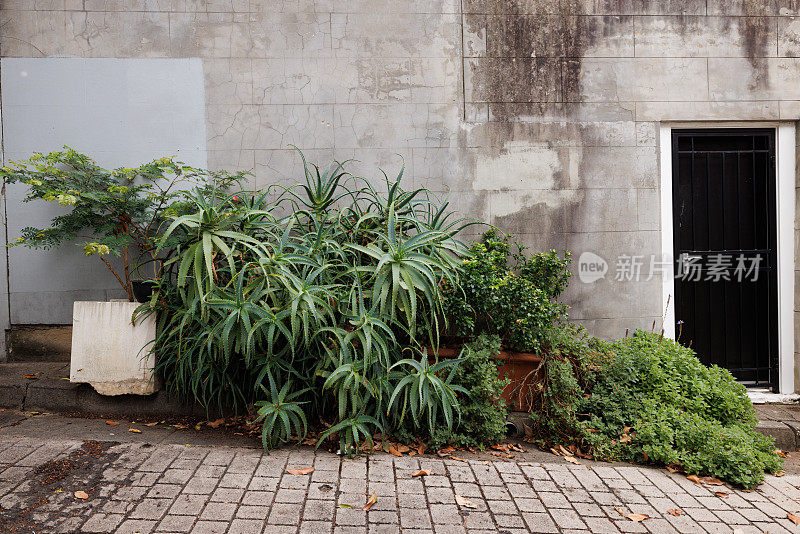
(314, 299)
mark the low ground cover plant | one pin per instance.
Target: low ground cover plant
(648, 399)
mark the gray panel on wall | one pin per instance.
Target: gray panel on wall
(121, 112)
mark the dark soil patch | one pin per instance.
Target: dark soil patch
(81, 470)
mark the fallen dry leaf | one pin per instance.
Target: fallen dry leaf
(421, 449)
(111, 423)
(675, 512)
(458, 459)
(394, 452)
(180, 426)
(134, 430)
(371, 502)
(81, 495)
(215, 424)
(300, 471)
(793, 518)
(572, 460)
(711, 481)
(780, 473)
(466, 503)
(343, 505)
(672, 469)
(403, 449)
(564, 450)
(150, 424)
(626, 430)
(625, 438)
(619, 510)
(32, 376)
(637, 517)
(722, 494)
(693, 478)
(421, 473)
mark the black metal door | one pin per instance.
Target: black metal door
(726, 299)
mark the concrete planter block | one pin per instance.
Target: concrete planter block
(109, 352)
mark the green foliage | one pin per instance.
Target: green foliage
(483, 411)
(508, 294)
(424, 395)
(119, 212)
(673, 409)
(324, 284)
(280, 415)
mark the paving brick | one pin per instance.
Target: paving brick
(218, 511)
(176, 523)
(102, 522)
(188, 505)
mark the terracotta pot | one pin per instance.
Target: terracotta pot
(521, 369)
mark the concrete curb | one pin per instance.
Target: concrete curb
(785, 435)
(51, 392)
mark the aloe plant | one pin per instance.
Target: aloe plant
(326, 297)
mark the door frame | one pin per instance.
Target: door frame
(785, 151)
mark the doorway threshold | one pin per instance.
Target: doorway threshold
(767, 396)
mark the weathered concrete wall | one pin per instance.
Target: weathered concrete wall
(538, 115)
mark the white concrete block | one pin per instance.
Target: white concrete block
(111, 353)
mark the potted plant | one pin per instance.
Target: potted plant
(116, 216)
(505, 292)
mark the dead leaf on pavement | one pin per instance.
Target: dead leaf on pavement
(458, 459)
(150, 424)
(343, 505)
(672, 469)
(300, 471)
(675, 512)
(793, 518)
(215, 424)
(466, 503)
(421, 473)
(711, 481)
(572, 460)
(780, 473)
(179, 426)
(445, 452)
(637, 517)
(372, 500)
(134, 430)
(722, 494)
(32, 376)
(694, 478)
(394, 452)
(81, 495)
(619, 510)
(111, 423)
(403, 449)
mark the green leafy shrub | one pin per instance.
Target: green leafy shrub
(508, 294)
(483, 410)
(649, 399)
(326, 288)
(119, 212)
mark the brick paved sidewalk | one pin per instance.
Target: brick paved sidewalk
(137, 487)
